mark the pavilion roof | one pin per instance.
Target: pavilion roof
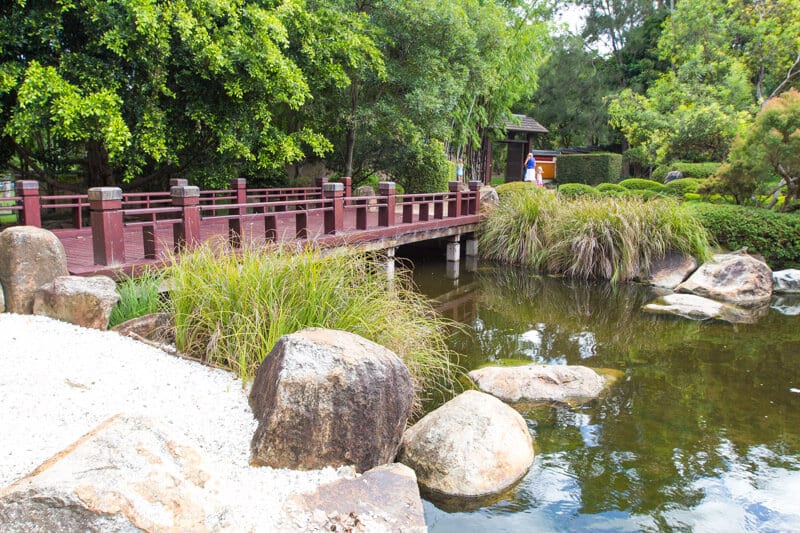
(525, 124)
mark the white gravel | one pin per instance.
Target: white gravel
(59, 381)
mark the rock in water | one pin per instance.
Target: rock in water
(735, 278)
(473, 446)
(329, 398)
(786, 281)
(539, 383)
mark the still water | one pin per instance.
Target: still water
(700, 433)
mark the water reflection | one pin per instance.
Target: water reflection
(702, 432)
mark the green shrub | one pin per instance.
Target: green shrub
(512, 187)
(590, 169)
(590, 238)
(232, 308)
(681, 187)
(689, 170)
(692, 197)
(776, 236)
(641, 184)
(577, 189)
(610, 188)
(641, 194)
(137, 297)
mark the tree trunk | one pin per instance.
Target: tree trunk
(97, 166)
(350, 141)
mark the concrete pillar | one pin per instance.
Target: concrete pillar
(389, 265)
(452, 270)
(471, 246)
(454, 248)
(471, 264)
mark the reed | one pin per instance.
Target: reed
(137, 297)
(231, 308)
(612, 238)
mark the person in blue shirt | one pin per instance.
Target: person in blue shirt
(530, 168)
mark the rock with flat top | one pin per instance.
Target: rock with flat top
(473, 446)
(698, 308)
(385, 498)
(29, 258)
(786, 281)
(737, 278)
(128, 474)
(539, 383)
(82, 301)
(329, 398)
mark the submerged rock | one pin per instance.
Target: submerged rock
(539, 383)
(698, 308)
(473, 446)
(788, 305)
(736, 278)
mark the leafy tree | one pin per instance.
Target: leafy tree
(137, 90)
(770, 148)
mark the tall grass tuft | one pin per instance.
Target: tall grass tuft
(230, 309)
(137, 297)
(612, 238)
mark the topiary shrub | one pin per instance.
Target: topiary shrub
(681, 187)
(641, 184)
(610, 189)
(689, 170)
(590, 169)
(776, 236)
(574, 190)
(642, 194)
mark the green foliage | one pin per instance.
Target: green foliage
(771, 147)
(681, 187)
(589, 237)
(138, 297)
(571, 190)
(641, 184)
(689, 170)
(776, 236)
(590, 169)
(610, 189)
(511, 187)
(232, 308)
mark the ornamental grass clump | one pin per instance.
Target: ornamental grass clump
(138, 297)
(612, 238)
(231, 308)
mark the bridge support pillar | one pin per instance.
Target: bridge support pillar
(454, 248)
(471, 246)
(452, 270)
(389, 265)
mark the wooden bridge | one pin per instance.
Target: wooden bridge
(114, 233)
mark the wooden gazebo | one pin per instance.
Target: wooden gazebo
(519, 137)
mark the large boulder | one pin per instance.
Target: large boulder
(670, 271)
(489, 197)
(329, 398)
(128, 474)
(473, 446)
(786, 281)
(385, 498)
(737, 278)
(29, 258)
(698, 308)
(2, 300)
(539, 383)
(82, 301)
(156, 327)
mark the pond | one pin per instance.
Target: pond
(700, 433)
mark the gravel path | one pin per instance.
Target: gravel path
(58, 381)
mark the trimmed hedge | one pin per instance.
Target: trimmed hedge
(611, 189)
(776, 236)
(641, 185)
(681, 187)
(572, 190)
(590, 169)
(689, 170)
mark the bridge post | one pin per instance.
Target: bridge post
(386, 212)
(348, 187)
(239, 186)
(31, 214)
(475, 203)
(334, 214)
(454, 204)
(108, 240)
(186, 232)
(454, 248)
(389, 265)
